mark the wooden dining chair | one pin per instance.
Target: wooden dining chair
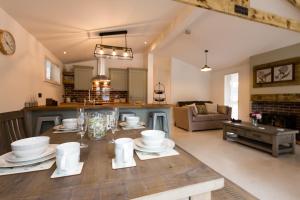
(12, 128)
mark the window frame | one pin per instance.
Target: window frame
(53, 64)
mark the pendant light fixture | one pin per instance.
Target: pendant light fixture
(100, 81)
(113, 52)
(206, 68)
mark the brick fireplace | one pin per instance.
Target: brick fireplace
(278, 113)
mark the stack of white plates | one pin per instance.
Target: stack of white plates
(28, 151)
(166, 145)
(136, 126)
(61, 128)
(153, 141)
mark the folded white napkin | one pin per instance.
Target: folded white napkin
(147, 156)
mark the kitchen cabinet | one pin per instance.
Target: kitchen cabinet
(82, 77)
(119, 79)
(137, 85)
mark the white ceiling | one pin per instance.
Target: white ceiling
(230, 40)
(71, 25)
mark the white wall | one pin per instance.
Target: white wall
(162, 74)
(136, 62)
(272, 56)
(188, 82)
(22, 74)
(217, 87)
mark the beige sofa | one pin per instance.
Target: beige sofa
(185, 119)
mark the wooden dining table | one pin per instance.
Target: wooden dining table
(167, 178)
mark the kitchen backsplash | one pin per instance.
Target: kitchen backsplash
(80, 95)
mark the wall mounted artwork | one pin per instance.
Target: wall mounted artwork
(279, 73)
(264, 75)
(284, 73)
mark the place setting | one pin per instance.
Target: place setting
(29, 154)
(154, 144)
(132, 122)
(68, 125)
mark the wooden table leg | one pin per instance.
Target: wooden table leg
(224, 133)
(275, 147)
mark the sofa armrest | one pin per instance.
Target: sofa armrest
(226, 110)
(183, 117)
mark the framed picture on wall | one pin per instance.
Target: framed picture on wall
(284, 73)
(264, 75)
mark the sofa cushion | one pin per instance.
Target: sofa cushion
(201, 109)
(194, 109)
(222, 109)
(209, 117)
(211, 107)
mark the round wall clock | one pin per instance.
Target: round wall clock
(7, 43)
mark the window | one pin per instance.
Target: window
(231, 93)
(52, 72)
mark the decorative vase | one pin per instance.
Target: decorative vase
(97, 125)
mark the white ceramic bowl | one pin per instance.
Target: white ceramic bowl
(132, 120)
(70, 123)
(153, 137)
(30, 147)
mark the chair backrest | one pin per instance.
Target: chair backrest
(12, 128)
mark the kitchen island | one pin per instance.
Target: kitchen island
(168, 178)
(69, 111)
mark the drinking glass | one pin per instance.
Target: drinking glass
(81, 125)
(112, 122)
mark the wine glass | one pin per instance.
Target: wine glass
(81, 125)
(112, 123)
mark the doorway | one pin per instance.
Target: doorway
(231, 93)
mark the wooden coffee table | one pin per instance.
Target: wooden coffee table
(266, 138)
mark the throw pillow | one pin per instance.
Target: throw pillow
(194, 109)
(222, 109)
(201, 109)
(211, 107)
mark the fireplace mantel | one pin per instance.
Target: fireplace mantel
(290, 98)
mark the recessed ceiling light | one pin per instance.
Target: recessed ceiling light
(145, 42)
(65, 52)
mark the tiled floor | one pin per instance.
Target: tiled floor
(257, 172)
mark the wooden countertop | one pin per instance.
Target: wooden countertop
(162, 178)
(74, 106)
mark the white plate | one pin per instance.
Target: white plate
(124, 124)
(61, 128)
(139, 142)
(166, 145)
(5, 164)
(10, 157)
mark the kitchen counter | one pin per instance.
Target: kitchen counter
(74, 106)
(69, 110)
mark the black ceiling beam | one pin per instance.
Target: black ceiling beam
(123, 32)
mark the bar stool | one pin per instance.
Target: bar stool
(40, 120)
(153, 119)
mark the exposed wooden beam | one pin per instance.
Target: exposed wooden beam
(231, 7)
(295, 3)
(186, 17)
